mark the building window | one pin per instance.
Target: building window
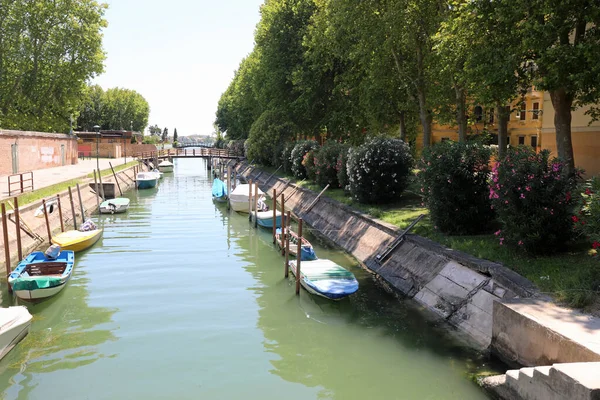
(534, 142)
(508, 140)
(491, 116)
(523, 111)
(521, 140)
(536, 111)
(478, 111)
(445, 139)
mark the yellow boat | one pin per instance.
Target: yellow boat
(76, 240)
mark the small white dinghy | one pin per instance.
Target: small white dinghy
(14, 326)
(165, 166)
(51, 206)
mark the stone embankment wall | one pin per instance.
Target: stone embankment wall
(459, 288)
(35, 150)
(38, 225)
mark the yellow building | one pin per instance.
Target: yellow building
(532, 123)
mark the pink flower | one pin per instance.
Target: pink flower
(498, 232)
(520, 243)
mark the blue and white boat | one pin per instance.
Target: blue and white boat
(265, 218)
(307, 251)
(38, 276)
(146, 180)
(219, 191)
(326, 278)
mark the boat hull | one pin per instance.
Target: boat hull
(165, 168)
(220, 199)
(240, 206)
(114, 206)
(31, 290)
(330, 288)
(39, 294)
(76, 242)
(15, 323)
(146, 183)
(265, 219)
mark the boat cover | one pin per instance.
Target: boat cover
(35, 282)
(52, 252)
(219, 189)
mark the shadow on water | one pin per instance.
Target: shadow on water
(389, 346)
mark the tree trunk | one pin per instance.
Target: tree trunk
(503, 116)
(461, 114)
(424, 114)
(403, 126)
(562, 103)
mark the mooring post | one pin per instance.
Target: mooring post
(298, 256)
(283, 220)
(115, 175)
(256, 205)
(96, 187)
(286, 236)
(228, 181)
(47, 221)
(274, 213)
(101, 186)
(18, 225)
(6, 249)
(250, 199)
(62, 223)
(81, 204)
(73, 208)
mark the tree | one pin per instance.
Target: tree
(175, 136)
(154, 130)
(48, 50)
(165, 135)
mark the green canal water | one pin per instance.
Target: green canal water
(183, 300)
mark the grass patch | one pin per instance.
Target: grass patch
(571, 277)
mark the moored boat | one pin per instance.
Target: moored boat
(165, 166)
(51, 206)
(265, 218)
(38, 276)
(219, 191)
(325, 278)
(307, 251)
(114, 206)
(238, 199)
(14, 326)
(75, 240)
(146, 180)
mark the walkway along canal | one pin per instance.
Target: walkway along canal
(181, 299)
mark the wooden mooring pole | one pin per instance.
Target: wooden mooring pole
(116, 180)
(18, 225)
(80, 204)
(47, 221)
(73, 209)
(275, 214)
(6, 249)
(298, 256)
(62, 223)
(97, 195)
(284, 222)
(228, 186)
(256, 205)
(285, 229)
(250, 200)
(101, 186)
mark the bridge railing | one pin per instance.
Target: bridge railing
(197, 152)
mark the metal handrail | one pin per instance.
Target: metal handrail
(21, 182)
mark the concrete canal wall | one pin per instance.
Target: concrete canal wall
(39, 239)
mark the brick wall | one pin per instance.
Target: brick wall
(35, 150)
(134, 149)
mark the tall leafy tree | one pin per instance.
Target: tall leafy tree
(48, 50)
(175, 136)
(165, 135)
(114, 109)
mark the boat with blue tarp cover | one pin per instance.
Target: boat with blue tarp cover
(38, 276)
(325, 278)
(219, 191)
(265, 218)
(307, 251)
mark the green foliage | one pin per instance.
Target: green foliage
(297, 156)
(236, 146)
(342, 169)
(326, 163)
(587, 219)
(150, 139)
(378, 170)
(286, 156)
(453, 178)
(309, 164)
(114, 109)
(269, 130)
(48, 50)
(175, 136)
(532, 196)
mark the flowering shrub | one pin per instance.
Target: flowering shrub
(286, 156)
(531, 194)
(454, 185)
(297, 156)
(237, 147)
(342, 170)
(587, 220)
(326, 163)
(309, 164)
(378, 170)
(266, 134)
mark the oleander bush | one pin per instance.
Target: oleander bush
(454, 185)
(237, 147)
(286, 157)
(532, 196)
(309, 164)
(378, 170)
(587, 219)
(297, 156)
(326, 163)
(342, 170)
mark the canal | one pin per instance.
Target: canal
(182, 300)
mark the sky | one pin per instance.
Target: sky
(179, 54)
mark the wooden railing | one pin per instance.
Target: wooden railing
(201, 152)
(24, 182)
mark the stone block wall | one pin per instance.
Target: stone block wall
(35, 150)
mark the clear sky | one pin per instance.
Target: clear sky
(179, 54)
